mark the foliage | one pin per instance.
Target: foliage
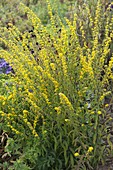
(10, 12)
(54, 104)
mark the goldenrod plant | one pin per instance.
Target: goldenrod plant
(53, 105)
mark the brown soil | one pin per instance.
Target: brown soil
(107, 166)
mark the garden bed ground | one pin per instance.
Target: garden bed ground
(4, 157)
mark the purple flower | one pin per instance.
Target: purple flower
(5, 67)
(110, 6)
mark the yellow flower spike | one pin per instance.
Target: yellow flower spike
(35, 122)
(90, 149)
(56, 84)
(46, 98)
(13, 129)
(2, 98)
(64, 64)
(25, 112)
(65, 100)
(76, 154)
(52, 65)
(34, 133)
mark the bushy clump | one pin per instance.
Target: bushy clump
(55, 106)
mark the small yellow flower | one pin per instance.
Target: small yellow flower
(3, 103)
(82, 125)
(9, 97)
(99, 112)
(76, 154)
(106, 105)
(92, 112)
(66, 120)
(90, 149)
(45, 131)
(58, 109)
(52, 66)
(25, 111)
(101, 98)
(2, 113)
(110, 118)
(81, 76)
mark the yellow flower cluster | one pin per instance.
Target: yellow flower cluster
(86, 67)
(58, 109)
(90, 149)
(32, 128)
(64, 65)
(76, 154)
(64, 100)
(99, 112)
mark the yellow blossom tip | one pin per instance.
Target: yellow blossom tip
(25, 111)
(106, 105)
(99, 112)
(66, 120)
(76, 154)
(90, 149)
